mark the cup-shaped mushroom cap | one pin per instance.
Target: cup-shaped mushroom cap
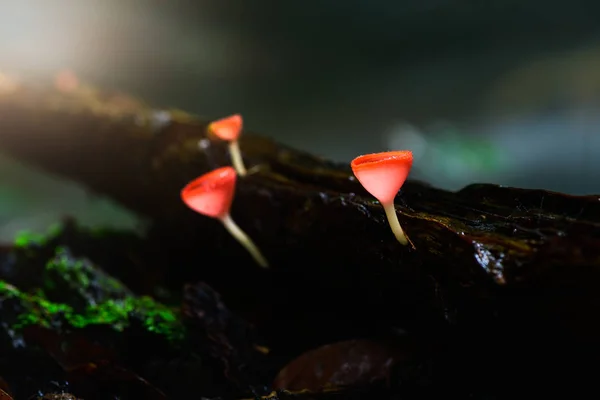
(383, 174)
(228, 128)
(211, 194)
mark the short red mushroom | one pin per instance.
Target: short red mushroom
(229, 130)
(382, 175)
(211, 195)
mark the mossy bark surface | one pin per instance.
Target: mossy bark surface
(494, 269)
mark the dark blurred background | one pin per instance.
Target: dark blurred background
(505, 92)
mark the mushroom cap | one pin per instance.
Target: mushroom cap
(212, 193)
(383, 174)
(228, 128)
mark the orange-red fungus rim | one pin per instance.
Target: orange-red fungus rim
(210, 181)
(382, 160)
(228, 128)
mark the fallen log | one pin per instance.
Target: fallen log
(497, 267)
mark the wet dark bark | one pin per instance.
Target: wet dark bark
(494, 269)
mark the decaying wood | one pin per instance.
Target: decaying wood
(485, 255)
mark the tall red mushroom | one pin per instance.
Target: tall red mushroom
(229, 130)
(382, 175)
(211, 195)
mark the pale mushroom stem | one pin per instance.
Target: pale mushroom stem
(244, 240)
(236, 158)
(392, 217)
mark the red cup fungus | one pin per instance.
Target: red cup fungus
(229, 130)
(211, 195)
(382, 175)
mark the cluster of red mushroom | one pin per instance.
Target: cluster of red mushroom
(381, 174)
(212, 193)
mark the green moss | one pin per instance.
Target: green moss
(71, 270)
(27, 238)
(157, 318)
(39, 311)
(8, 290)
(80, 275)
